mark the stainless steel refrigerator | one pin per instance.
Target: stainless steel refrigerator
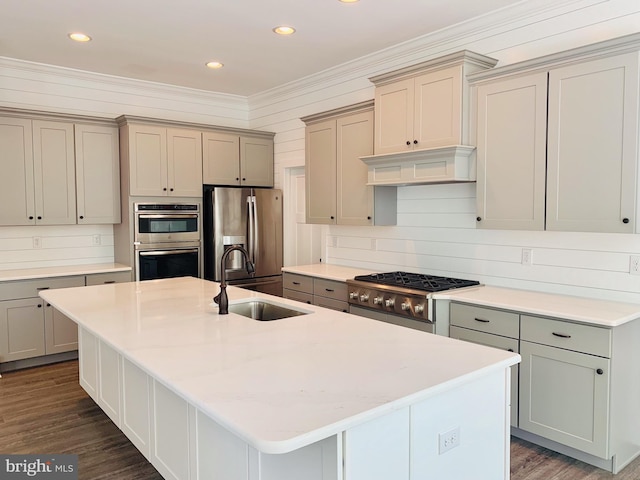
(251, 217)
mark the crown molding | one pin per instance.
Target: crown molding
(426, 47)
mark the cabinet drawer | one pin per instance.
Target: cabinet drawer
(112, 277)
(298, 296)
(301, 283)
(30, 288)
(331, 303)
(330, 288)
(570, 336)
(486, 320)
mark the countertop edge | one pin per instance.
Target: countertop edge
(61, 271)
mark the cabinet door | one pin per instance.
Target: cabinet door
(495, 341)
(438, 109)
(593, 142)
(147, 160)
(135, 406)
(221, 159)
(16, 182)
(109, 381)
(88, 362)
(320, 172)
(60, 332)
(97, 174)
(511, 152)
(394, 117)
(21, 329)
(256, 162)
(184, 154)
(54, 173)
(564, 396)
(355, 197)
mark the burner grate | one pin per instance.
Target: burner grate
(416, 281)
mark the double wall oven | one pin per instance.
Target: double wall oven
(166, 240)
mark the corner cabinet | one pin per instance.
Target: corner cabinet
(230, 159)
(568, 166)
(161, 161)
(336, 178)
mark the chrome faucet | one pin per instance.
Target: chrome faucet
(221, 299)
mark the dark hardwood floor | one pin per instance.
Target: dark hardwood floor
(44, 410)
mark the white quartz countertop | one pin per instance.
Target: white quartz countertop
(584, 310)
(330, 272)
(64, 271)
(278, 385)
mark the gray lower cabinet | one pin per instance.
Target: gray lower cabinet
(317, 291)
(493, 328)
(30, 327)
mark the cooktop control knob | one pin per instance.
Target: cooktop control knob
(419, 308)
(405, 306)
(353, 295)
(364, 297)
(389, 302)
(377, 301)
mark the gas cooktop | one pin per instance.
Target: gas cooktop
(416, 281)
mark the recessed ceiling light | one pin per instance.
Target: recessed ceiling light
(79, 37)
(214, 65)
(284, 30)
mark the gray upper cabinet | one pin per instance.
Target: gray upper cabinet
(336, 179)
(557, 141)
(16, 182)
(231, 159)
(97, 174)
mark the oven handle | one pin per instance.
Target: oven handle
(176, 251)
(168, 215)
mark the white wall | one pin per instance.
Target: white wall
(436, 224)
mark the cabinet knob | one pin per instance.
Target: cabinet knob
(244, 179)
(478, 219)
(164, 189)
(39, 217)
(31, 217)
(171, 189)
(625, 220)
(599, 371)
(81, 217)
(415, 142)
(369, 218)
(237, 179)
(332, 217)
(408, 143)
(39, 305)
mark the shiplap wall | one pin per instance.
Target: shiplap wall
(436, 231)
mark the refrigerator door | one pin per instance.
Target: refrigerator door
(265, 231)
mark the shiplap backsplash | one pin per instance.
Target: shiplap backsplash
(59, 245)
(436, 231)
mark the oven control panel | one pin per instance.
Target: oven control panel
(399, 303)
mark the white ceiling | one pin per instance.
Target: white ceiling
(170, 41)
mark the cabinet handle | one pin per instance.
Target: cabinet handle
(309, 302)
(106, 282)
(415, 142)
(482, 320)
(561, 335)
(625, 220)
(478, 219)
(329, 290)
(296, 283)
(408, 143)
(509, 349)
(42, 288)
(599, 371)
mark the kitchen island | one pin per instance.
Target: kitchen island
(324, 395)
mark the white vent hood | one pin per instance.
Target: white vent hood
(451, 164)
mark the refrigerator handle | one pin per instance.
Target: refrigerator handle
(256, 230)
(251, 227)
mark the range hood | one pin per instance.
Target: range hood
(450, 164)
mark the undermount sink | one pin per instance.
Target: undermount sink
(263, 311)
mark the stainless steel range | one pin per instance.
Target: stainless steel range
(401, 298)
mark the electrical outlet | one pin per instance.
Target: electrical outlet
(527, 256)
(96, 239)
(37, 242)
(448, 440)
(634, 264)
